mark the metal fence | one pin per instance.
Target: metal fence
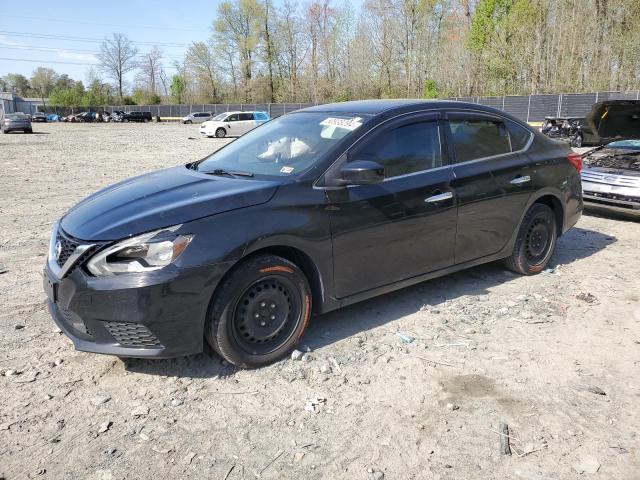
(179, 111)
(530, 108)
(533, 108)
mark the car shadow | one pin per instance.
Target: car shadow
(357, 319)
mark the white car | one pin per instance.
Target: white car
(233, 124)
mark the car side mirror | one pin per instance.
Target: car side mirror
(362, 172)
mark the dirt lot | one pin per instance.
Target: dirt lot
(556, 356)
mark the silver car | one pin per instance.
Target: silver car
(197, 117)
(10, 122)
(611, 177)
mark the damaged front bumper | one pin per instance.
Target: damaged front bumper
(159, 316)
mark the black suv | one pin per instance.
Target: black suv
(137, 117)
(307, 213)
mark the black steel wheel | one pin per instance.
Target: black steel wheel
(259, 312)
(536, 241)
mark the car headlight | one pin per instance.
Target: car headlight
(144, 253)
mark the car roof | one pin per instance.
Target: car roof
(380, 107)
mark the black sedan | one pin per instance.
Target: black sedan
(309, 212)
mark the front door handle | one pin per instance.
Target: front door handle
(440, 197)
(521, 180)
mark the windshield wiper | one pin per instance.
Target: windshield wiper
(230, 173)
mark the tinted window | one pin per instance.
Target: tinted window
(246, 116)
(260, 116)
(406, 149)
(233, 118)
(478, 138)
(519, 136)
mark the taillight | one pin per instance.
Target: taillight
(575, 159)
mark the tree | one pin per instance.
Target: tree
(239, 22)
(151, 69)
(43, 81)
(201, 61)
(70, 96)
(177, 88)
(117, 57)
(18, 84)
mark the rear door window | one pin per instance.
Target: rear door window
(246, 116)
(406, 149)
(477, 136)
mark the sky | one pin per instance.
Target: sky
(64, 35)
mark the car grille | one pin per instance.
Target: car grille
(68, 247)
(610, 198)
(610, 179)
(132, 335)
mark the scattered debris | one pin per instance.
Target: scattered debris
(296, 355)
(140, 411)
(587, 297)
(276, 457)
(189, 458)
(505, 448)
(99, 400)
(452, 407)
(104, 426)
(313, 404)
(587, 464)
(404, 337)
(298, 456)
(596, 390)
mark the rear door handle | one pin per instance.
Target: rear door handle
(441, 197)
(521, 180)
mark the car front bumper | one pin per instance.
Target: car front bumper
(159, 316)
(611, 197)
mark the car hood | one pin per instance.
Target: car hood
(614, 161)
(160, 199)
(615, 119)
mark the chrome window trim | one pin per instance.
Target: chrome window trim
(440, 110)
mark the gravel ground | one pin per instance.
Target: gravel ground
(556, 356)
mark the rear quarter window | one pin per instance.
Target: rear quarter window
(519, 136)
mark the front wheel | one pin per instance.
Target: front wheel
(260, 312)
(221, 133)
(188, 122)
(536, 241)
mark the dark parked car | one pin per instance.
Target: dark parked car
(39, 117)
(11, 122)
(611, 178)
(307, 213)
(137, 117)
(606, 122)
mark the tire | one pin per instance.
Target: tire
(28, 130)
(125, 120)
(188, 122)
(259, 312)
(221, 133)
(536, 241)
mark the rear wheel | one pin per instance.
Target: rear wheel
(536, 241)
(28, 130)
(221, 133)
(188, 122)
(260, 312)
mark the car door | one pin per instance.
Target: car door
(232, 124)
(492, 181)
(402, 227)
(246, 122)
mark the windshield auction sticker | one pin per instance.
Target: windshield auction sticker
(346, 123)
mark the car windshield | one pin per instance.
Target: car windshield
(16, 116)
(625, 144)
(286, 146)
(219, 118)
